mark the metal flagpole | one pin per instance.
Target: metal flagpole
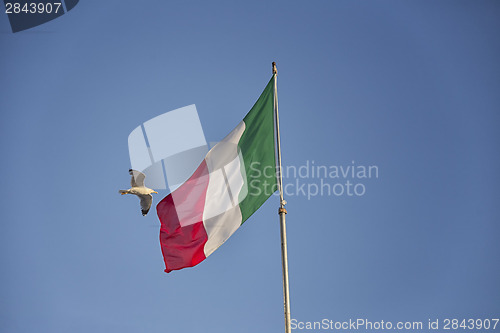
(281, 210)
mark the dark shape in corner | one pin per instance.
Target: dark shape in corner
(26, 20)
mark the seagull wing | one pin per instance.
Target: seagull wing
(137, 178)
(146, 201)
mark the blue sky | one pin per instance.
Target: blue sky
(411, 87)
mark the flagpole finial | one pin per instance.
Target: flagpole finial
(275, 70)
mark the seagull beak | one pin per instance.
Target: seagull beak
(155, 192)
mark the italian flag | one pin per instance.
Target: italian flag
(233, 181)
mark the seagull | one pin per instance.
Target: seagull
(138, 188)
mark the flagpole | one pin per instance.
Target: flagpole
(281, 211)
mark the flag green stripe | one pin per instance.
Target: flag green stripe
(257, 149)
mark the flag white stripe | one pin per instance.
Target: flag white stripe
(221, 217)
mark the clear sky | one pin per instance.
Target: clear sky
(411, 87)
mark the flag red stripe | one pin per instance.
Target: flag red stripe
(182, 234)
